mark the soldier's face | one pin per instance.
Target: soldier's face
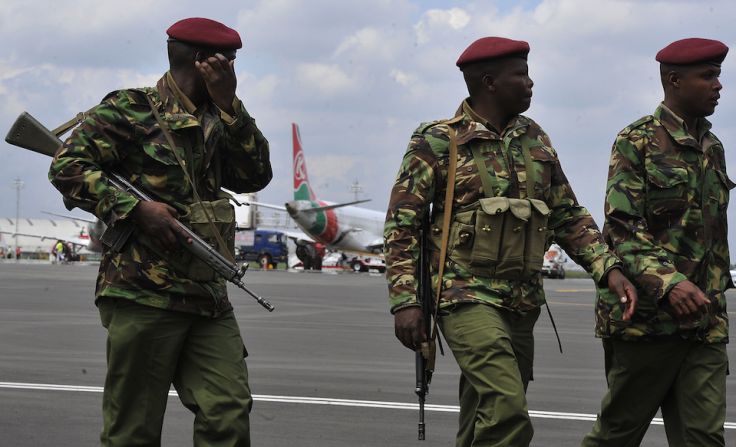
(513, 86)
(699, 89)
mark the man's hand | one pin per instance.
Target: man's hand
(409, 327)
(219, 77)
(622, 287)
(687, 299)
(158, 220)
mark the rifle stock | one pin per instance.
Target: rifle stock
(28, 133)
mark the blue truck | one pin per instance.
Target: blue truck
(266, 247)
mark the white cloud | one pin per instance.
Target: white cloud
(324, 78)
(402, 77)
(364, 40)
(434, 19)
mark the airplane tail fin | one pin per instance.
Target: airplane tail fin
(302, 190)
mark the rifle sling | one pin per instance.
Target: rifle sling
(78, 118)
(182, 164)
(449, 195)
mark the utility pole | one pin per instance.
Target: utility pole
(356, 189)
(18, 185)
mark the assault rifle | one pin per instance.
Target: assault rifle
(425, 356)
(30, 134)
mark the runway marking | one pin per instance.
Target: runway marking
(334, 402)
(562, 303)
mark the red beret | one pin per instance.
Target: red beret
(492, 47)
(205, 32)
(692, 51)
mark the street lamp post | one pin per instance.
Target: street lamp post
(18, 185)
(356, 189)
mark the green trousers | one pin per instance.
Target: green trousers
(686, 379)
(148, 349)
(494, 349)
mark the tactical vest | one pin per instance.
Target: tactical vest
(498, 237)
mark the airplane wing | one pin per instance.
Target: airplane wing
(268, 205)
(336, 205)
(49, 237)
(66, 216)
(248, 203)
(297, 236)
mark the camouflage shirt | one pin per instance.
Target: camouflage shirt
(422, 180)
(666, 203)
(122, 135)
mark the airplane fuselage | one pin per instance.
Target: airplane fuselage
(348, 228)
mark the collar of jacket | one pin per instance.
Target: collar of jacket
(678, 130)
(172, 110)
(469, 129)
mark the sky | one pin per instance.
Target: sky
(358, 77)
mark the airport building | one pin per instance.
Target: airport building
(36, 237)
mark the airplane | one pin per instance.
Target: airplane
(86, 238)
(339, 226)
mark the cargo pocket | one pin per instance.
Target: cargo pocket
(181, 260)
(668, 193)
(537, 238)
(460, 237)
(513, 240)
(486, 249)
(222, 216)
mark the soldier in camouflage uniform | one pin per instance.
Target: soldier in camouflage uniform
(165, 326)
(666, 202)
(487, 320)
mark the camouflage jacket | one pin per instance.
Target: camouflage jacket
(666, 203)
(422, 181)
(122, 135)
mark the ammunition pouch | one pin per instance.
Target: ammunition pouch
(222, 215)
(500, 237)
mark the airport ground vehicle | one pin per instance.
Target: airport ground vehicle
(367, 263)
(267, 247)
(554, 263)
(339, 261)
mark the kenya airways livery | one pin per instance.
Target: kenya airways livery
(340, 226)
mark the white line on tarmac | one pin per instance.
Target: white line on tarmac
(334, 402)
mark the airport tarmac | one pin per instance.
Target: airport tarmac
(324, 367)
